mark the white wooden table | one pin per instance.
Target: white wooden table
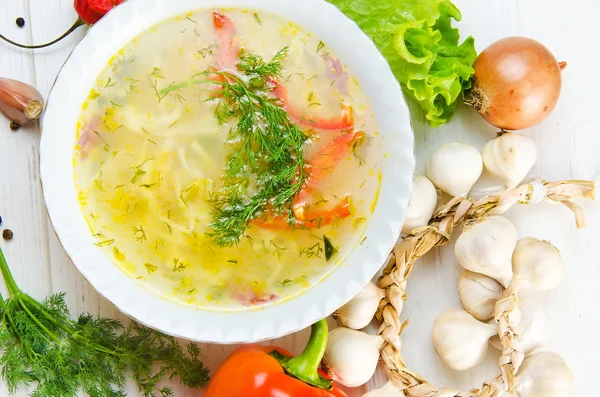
(568, 143)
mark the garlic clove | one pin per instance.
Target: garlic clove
(359, 311)
(454, 168)
(544, 375)
(422, 204)
(461, 340)
(351, 356)
(532, 329)
(20, 102)
(537, 264)
(487, 248)
(510, 157)
(479, 294)
(388, 390)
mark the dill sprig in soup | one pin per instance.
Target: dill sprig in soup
(227, 159)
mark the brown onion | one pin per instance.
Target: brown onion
(517, 83)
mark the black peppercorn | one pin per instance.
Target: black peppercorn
(7, 234)
(14, 126)
(20, 22)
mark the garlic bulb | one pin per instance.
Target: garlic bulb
(544, 375)
(359, 311)
(460, 339)
(537, 264)
(351, 356)
(20, 102)
(487, 248)
(421, 207)
(454, 168)
(532, 329)
(388, 390)
(510, 157)
(479, 294)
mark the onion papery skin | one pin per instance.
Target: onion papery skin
(516, 84)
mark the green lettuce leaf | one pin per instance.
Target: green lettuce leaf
(420, 44)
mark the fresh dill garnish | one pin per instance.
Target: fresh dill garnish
(266, 148)
(42, 347)
(189, 18)
(232, 261)
(257, 18)
(330, 250)
(168, 227)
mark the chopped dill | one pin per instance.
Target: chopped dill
(320, 46)
(313, 251)
(152, 142)
(138, 171)
(285, 283)
(257, 18)
(189, 18)
(183, 200)
(173, 123)
(362, 184)
(363, 240)
(267, 148)
(98, 184)
(145, 131)
(105, 243)
(232, 261)
(150, 267)
(278, 249)
(330, 250)
(110, 83)
(178, 266)
(168, 227)
(206, 51)
(139, 233)
(358, 221)
(106, 145)
(115, 105)
(154, 86)
(157, 73)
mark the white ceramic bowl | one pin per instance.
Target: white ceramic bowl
(64, 104)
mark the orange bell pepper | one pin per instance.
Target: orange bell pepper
(262, 371)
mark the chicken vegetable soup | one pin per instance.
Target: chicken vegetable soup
(227, 159)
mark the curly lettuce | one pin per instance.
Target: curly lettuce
(420, 44)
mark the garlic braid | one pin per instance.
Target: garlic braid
(402, 260)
